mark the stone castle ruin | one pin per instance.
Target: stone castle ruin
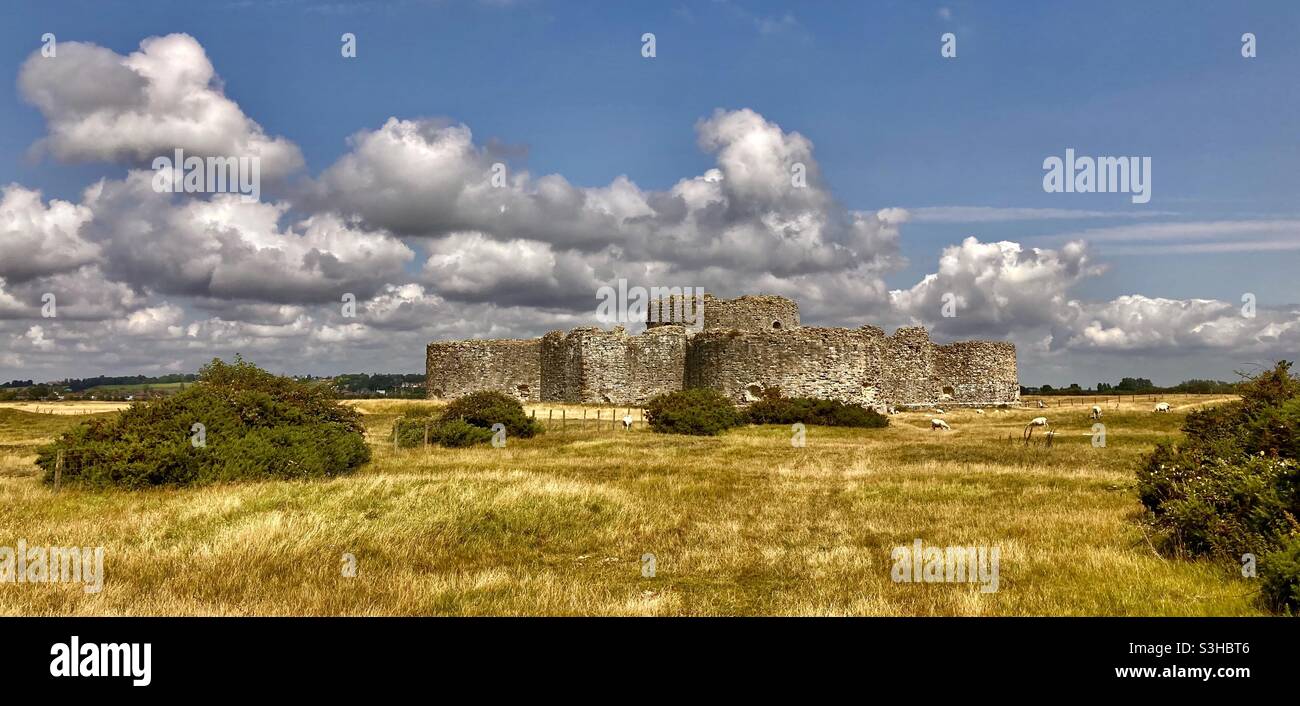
(742, 347)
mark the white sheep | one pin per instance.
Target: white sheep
(1096, 412)
(979, 411)
(1033, 423)
(1041, 405)
(627, 422)
(936, 410)
(1162, 407)
(936, 424)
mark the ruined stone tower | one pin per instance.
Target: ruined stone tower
(742, 347)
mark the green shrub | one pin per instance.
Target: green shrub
(1219, 507)
(466, 421)
(774, 409)
(1279, 574)
(695, 411)
(255, 425)
(457, 433)
(483, 409)
(1232, 483)
(452, 433)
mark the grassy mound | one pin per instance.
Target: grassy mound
(1232, 486)
(238, 422)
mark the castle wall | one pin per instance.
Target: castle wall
(907, 368)
(751, 313)
(455, 368)
(805, 362)
(977, 372)
(561, 367)
(746, 345)
(747, 313)
(596, 366)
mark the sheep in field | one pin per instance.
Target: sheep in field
(1033, 423)
(1041, 405)
(1162, 407)
(936, 424)
(1096, 412)
(627, 422)
(979, 411)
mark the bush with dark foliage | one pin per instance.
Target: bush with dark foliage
(1231, 486)
(255, 426)
(483, 409)
(696, 411)
(466, 421)
(775, 409)
(451, 433)
(1279, 575)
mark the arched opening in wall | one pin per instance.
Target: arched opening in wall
(753, 393)
(776, 325)
(948, 392)
(439, 393)
(606, 399)
(523, 390)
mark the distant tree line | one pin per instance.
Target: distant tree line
(80, 384)
(410, 385)
(405, 385)
(1136, 386)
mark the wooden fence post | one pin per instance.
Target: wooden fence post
(426, 435)
(58, 470)
(564, 419)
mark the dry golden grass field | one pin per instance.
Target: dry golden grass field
(741, 524)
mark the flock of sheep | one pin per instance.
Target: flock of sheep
(937, 424)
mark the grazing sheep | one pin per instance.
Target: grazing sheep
(1096, 412)
(1035, 422)
(1041, 405)
(892, 409)
(939, 424)
(627, 422)
(1162, 407)
(936, 410)
(979, 411)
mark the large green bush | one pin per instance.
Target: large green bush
(1279, 574)
(483, 409)
(466, 421)
(775, 409)
(695, 411)
(255, 426)
(1231, 486)
(452, 433)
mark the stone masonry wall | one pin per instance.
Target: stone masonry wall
(907, 368)
(455, 368)
(977, 372)
(747, 313)
(746, 345)
(805, 362)
(597, 366)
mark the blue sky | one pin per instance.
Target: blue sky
(892, 123)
